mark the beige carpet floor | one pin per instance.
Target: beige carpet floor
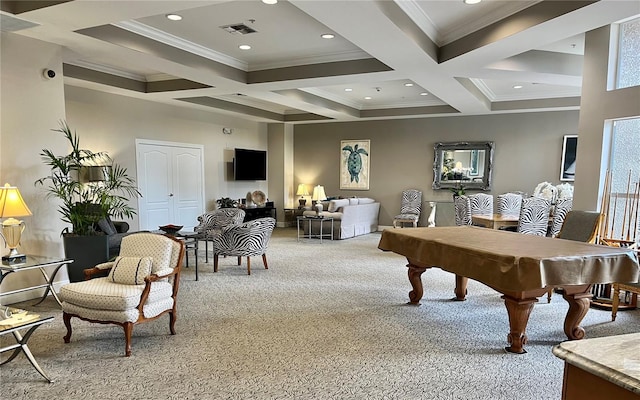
(326, 321)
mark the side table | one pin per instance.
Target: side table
(32, 262)
(13, 325)
(190, 240)
(311, 220)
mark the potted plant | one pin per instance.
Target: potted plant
(85, 203)
(457, 190)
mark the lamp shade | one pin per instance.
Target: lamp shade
(11, 203)
(318, 193)
(302, 190)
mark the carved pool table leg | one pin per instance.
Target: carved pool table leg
(415, 272)
(461, 288)
(579, 299)
(519, 311)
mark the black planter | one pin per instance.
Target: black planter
(86, 252)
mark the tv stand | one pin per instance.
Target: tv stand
(252, 213)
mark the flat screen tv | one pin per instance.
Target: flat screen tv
(250, 165)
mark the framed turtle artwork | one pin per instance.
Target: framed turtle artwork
(354, 164)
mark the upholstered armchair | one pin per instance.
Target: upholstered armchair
(212, 222)
(246, 240)
(534, 216)
(141, 285)
(410, 208)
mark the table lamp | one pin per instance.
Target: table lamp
(318, 196)
(302, 191)
(12, 205)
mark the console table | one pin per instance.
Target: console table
(252, 213)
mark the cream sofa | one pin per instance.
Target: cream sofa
(351, 217)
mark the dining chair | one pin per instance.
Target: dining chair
(410, 208)
(562, 207)
(481, 204)
(462, 206)
(534, 216)
(509, 204)
(632, 289)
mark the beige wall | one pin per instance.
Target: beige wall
(599, 107)
(111, 123)
(528, 150)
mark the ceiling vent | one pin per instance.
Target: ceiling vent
(238, 29)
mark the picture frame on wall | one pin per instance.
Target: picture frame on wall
(568, 162)
(354, 164)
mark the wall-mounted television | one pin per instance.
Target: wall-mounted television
(250, 165)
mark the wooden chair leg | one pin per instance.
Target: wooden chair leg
(240, 260)
(128, 330)
(215, 263)
(67, 322)
(264, 261)
(248, 265)
(616, 301)
(549, 293)
(172, 320)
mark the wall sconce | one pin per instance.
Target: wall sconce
(302, 191)
(12, 205)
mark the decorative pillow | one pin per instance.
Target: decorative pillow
(107, 226)
(365, 200)
(130, 270)
(334, 205)
(353, 201)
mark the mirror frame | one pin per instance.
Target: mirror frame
(439, 149)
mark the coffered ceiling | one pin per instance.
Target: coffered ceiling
(388, 58)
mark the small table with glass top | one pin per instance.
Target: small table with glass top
(33, 262)
(311, 220)
(13, 325)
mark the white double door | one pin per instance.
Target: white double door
(171, 179)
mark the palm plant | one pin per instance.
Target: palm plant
(84, 204)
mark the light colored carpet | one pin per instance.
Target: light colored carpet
(326, 321)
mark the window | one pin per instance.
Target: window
(629, 54)
(623, 214)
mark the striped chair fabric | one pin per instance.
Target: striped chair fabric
(410, 208)
(534, 216)
(563, 206)
(219, 218)
(509, 204)
(481, 204)
(462, 205)
(246, 240)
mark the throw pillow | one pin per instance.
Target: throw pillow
(334, 205)
(365, 200)
(130, 270)
(353, 201)
(107, 226)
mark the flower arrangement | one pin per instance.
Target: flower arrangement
(547, 191)
(565, 191)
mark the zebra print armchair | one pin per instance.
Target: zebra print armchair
(246, 240)
(534, 216)
(211, 224)
(410, 208)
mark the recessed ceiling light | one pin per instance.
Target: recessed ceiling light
(348, 90)
(367, 98)
(424, 94)
(174, 17)
(408, 84)
(517, 86)
(244, 47)
(269, 1)
(471, 1)
(327, 36)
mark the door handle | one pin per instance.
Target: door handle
(170, 194)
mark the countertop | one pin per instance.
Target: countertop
(613, 358)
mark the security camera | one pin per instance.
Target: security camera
(49, 73)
